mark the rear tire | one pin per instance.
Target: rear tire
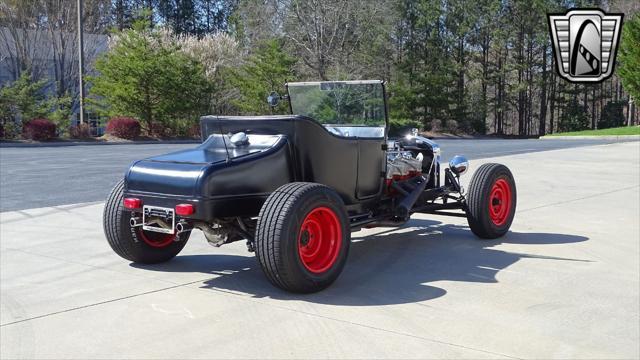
(135, 244)
(302, 237)
(491, 201)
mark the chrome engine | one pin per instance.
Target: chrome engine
(402, 165)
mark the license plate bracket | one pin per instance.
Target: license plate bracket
(153, 216)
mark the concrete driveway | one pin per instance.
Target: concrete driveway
(564, 283)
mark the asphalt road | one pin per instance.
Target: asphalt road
(51, 176)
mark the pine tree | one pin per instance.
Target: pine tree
(265, 71)
(629, 70)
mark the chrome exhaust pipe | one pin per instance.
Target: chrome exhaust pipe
(183, 227)
(135, 221)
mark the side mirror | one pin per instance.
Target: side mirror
(273, 99)
(459, 165)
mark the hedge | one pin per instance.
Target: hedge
(39, 129)
(123, 127)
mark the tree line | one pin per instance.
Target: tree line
(483, 67)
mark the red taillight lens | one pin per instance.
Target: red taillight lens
(185, 209)
(132, 203)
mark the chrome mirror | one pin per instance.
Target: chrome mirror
(273, 99)
(459, 165)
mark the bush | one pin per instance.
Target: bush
(574, 118)
(82, 131)
(398, 127)
(195, 131)
(123, 127)
(39, 129)
(612, 115)
(184, 128)
(159, 130)
(9, 130)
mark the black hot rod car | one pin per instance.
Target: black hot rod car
(296, 186)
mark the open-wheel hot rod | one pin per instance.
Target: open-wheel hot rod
(296, 186)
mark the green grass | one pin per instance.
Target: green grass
(625, 130)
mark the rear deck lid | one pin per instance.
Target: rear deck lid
(164, 177)
(178, 173)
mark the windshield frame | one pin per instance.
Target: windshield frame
(350, 82)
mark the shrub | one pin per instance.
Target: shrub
(123, 127)
(159, 130)
(82, 131)
(9, 130)
(574, 118)
(398, 127)
(195, 131)
(450, 126)
(182, 128)
(612, 115)
(39, 129)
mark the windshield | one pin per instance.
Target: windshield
(341, 102)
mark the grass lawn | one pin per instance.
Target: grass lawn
(625, 130)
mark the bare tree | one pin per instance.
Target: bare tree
(62, 34)
(327, 33)
(41, 36)
(21, 30)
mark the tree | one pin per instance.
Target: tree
(453, 65)
(484, 36)
(179, 14)
(629, 69)
(41, 36)
(217, 53)
(327, 34)
(144, 74)
(574, 118)
(25, 100)
(425, 86)
(612, 115)
(265, 71)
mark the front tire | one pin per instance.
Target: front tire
(491, 201)
(135, 244)
(302, 237)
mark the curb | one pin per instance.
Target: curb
(593, 137)
(87, 143)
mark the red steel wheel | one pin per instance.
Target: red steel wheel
(491, 201)
(319, 240)
(155, 239)
(500, 202)
(134, 243)
(302, 237)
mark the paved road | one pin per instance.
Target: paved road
(50, 176)
(563, 283)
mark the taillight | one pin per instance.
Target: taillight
(185, 209)
(132, 203)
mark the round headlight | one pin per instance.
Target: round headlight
(459, 165)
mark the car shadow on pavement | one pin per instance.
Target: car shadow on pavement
(392, 266)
